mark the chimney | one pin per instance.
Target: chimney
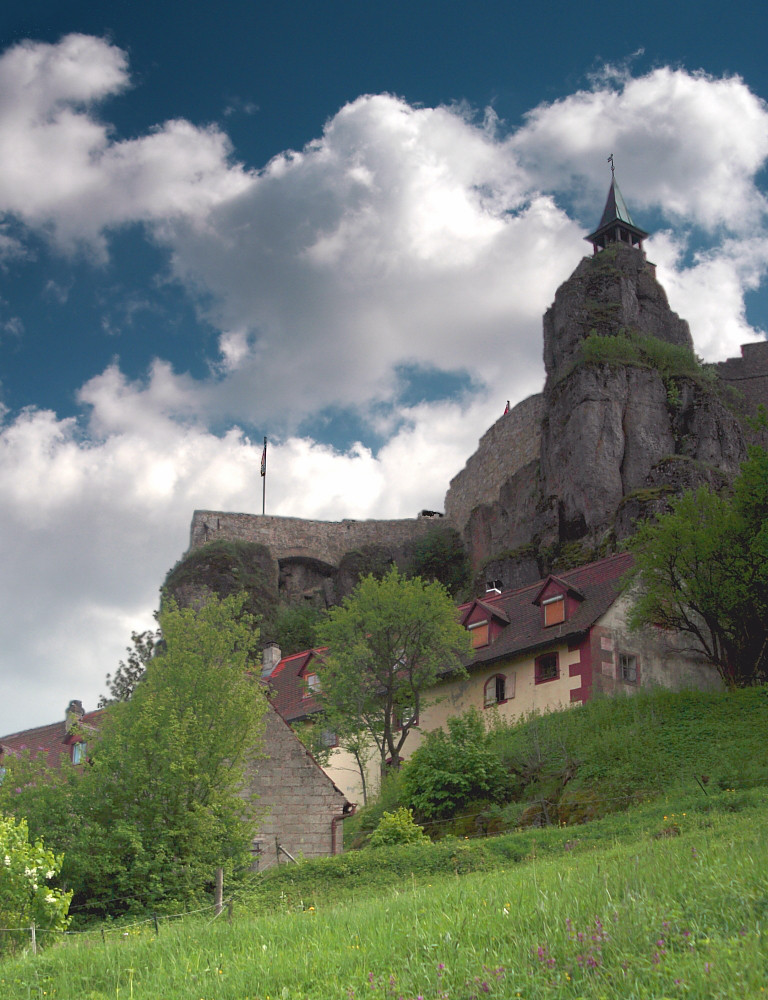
(493, 586)
(270, 658)
(73, 715)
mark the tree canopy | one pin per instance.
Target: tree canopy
(131, 670)
(388, 643)
(703, 569)
(164, 800)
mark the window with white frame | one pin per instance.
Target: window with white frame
(78, 752)
(311, 685)
(628, 668)
(495, 692)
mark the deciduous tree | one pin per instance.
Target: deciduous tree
(164, 801)
(388, 643)
(702, 569)
(131, 670)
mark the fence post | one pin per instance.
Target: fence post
(33, 935)
(219, 893)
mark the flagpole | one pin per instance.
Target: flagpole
(264, 477)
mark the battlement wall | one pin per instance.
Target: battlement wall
(296, 537)
(508, 445)
(749, 373)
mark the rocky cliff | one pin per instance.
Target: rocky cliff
(613, 292)
(629, 418)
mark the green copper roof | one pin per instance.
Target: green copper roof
(615, 207)
(616, 223)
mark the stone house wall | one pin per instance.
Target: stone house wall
(664, 658)
(300, 807)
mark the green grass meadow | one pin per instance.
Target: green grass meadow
(667, 900)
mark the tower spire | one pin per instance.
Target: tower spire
(616, 225)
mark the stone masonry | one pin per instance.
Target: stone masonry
(295, 537)
(509, 444)
(749, 376)
(299, 805)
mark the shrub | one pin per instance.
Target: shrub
(451, 769)
(440, 555)
(630, 348)
(25, 895)
(397, 828)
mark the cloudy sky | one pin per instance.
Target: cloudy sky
(334, 224)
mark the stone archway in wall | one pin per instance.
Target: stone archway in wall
(305, 578)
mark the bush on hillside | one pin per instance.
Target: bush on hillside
(631, 348)
(26, 894)
(449, 770)
(397, 828)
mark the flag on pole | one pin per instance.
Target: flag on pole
(264, 459)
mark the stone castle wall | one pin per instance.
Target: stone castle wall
(295, 537)
(749, 373)
(508, 445)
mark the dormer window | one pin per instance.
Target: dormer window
(311, 685)
(479, 634)
(554, 610)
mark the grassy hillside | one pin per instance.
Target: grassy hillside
(613, 751)
(675, 906)
(668, 898)
(579, 764)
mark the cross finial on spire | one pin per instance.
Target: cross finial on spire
(613, 168)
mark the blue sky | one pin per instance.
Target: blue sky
(334, 224)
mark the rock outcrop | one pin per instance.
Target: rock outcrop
(563, 477)
(617, 440)
(615, 291)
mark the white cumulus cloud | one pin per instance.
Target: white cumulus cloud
(401, 239)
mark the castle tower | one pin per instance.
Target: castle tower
(613, 291)
(616, 225)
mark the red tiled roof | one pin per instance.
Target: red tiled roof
(291, 698)
(52, 740)
(598, 585)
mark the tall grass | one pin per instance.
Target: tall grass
(677, 907)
